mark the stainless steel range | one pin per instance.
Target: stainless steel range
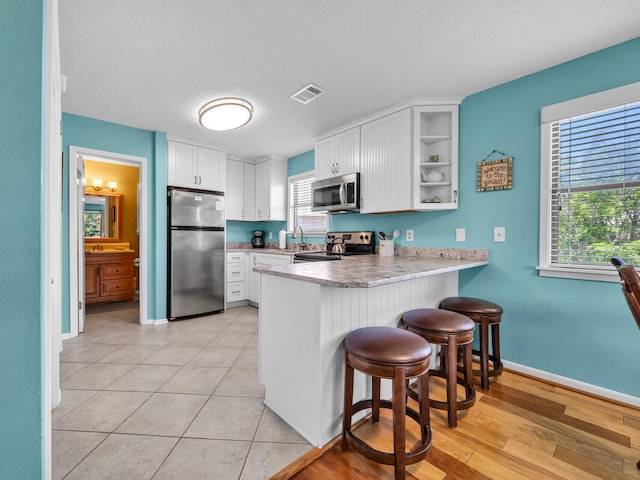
(340, 244)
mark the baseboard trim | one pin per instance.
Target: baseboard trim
(573, 384)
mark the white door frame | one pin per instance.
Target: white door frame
(51, 209)
(74, 243)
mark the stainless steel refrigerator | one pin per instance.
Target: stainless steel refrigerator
(196, 246)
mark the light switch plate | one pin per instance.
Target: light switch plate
(499, 234)
(461, 235)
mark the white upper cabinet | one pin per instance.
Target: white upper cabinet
(338, 154)
(271, 189)
(241, 188)
(234, 202)
(191, 166)
(435, 164)
(407, 156)
(385, 176)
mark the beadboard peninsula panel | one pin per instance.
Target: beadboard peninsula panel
(301, 334)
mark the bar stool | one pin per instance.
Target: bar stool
(386, 352)
(485, 314)
(453, 332)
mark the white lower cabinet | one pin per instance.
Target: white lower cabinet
(236, 278)
(262, 259)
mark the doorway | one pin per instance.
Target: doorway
(77, 158)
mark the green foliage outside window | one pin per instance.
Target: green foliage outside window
(595, 226)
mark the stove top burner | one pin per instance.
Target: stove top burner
(352, 243)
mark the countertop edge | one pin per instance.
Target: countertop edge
(287, 271)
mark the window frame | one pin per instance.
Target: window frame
(552, 113)
(295, 178)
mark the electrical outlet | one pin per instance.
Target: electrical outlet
(270, 235)
(499, 234)
(461, 235)
(409, 235)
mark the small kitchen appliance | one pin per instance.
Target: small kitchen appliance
(336, 194)
(340, 244)
(258, 239)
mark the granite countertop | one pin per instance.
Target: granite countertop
(272, 248)
(365, 271)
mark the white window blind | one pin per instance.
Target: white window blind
(595, 187)
(313, 223)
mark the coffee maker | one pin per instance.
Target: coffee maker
(258, 239)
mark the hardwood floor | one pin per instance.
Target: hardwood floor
(521, 428)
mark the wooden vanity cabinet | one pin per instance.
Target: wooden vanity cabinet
(108, 277)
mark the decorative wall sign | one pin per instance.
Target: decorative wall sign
(495, 175)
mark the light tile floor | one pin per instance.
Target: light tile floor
(176, 401)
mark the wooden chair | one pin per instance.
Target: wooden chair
(630, 282)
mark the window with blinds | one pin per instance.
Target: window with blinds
(595, 187)
(312, 223)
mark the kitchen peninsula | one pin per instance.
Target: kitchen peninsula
(306, 310)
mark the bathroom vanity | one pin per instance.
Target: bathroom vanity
(109, 276)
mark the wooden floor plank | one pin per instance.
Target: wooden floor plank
(521, 428)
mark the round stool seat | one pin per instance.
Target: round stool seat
(472, 305)
(386, 352)
(440, 323)
(387, 346)
(488, 316)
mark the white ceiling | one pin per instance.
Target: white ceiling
(152, 64)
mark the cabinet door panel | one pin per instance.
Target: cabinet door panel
(347, 152)
(182, 165)
(263, 190)
(91, 281)
(325, 158)
(249, 191)
(385, 179)
(211, 169)
(235, 190)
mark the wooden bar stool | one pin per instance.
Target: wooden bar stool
(485, 314)
(453, 332)
(386, 352)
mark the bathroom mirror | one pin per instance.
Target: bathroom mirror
(102, 217)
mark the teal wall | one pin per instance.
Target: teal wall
(21, 268)
(110, 137)
(577, 329)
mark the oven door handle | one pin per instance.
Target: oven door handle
(341, 194)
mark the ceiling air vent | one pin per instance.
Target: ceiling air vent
(307, 93)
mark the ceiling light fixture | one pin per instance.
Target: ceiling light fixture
(225, 114)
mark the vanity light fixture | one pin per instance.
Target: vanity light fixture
(225, 114)
(111, 185)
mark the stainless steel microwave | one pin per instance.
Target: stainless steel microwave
(336, 194)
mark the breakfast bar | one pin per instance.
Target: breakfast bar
(306, 310)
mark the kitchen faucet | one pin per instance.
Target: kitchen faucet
(303, 245)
